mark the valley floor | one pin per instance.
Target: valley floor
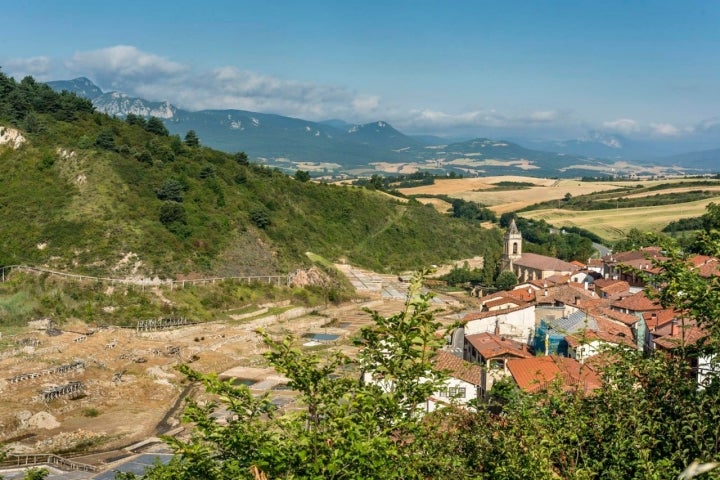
(130, 391)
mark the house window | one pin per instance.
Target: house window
(454, 392)
(497, 364)
(514, 248)
(443, 392)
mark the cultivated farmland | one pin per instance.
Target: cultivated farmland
(610, 224)
(613, 225)
(483, 190)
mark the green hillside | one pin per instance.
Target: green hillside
(94, 194)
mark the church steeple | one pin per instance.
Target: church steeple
(512, 246)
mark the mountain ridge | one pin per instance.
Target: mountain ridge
(335, 148)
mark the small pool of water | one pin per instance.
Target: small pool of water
(321, 337)
(243, 381)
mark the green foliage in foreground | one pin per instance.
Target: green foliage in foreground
(650, 420)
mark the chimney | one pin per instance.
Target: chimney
(586, 285)
(674, 328)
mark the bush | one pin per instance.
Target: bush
(171, 189)
(172, 212)
(91, 412)
(260, 217)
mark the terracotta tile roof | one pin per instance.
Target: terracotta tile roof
(544, 263)
(706, 266)
(491, 296)
(642, 264)
(612, 288)
(524, 294)
(558, 278)
(595, 262)
(498, 298)
(607, 331)
(458, 368)
(489, 346)
(580, 265)
(537, 373)
(480, 315)
(659, 318)
(569, 294)
(626, 318)
(504, 300)
(624, 257)
(539, 283)
(668, 338)
(638, 302)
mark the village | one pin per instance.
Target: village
(554, 326)
(69, 389)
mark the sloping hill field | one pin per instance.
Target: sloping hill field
(614, 224)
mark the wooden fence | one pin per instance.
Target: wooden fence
(22, 461)
(278, 280)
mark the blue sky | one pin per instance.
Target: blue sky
(554, 69)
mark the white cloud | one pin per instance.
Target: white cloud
(664, 129)
(127, 69)
(38, 67)
(623, 125)
(545, 116)
(429, 120)
(122, 65)
(366, 104)
(708, 125)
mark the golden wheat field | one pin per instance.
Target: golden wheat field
(615, 223)
(610, 224)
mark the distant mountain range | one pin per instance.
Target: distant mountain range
(337, 148)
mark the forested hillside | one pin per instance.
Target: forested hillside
(90, 193)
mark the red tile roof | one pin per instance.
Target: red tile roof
(544, 263)
(524, 294)
(569, 294)
(505, 300)
(458, 368)
(638, 302)
(626, 318)
(611, 287)
(632, 255)
(537, 373)
(706, 266)
(659, 318)
(489, 346)
(669, 338)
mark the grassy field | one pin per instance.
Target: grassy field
(482, 190)
(613, 225)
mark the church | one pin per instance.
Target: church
(530, 266)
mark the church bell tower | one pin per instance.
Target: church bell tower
(512, 246)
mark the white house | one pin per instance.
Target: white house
(462, 384)
(514, 323)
